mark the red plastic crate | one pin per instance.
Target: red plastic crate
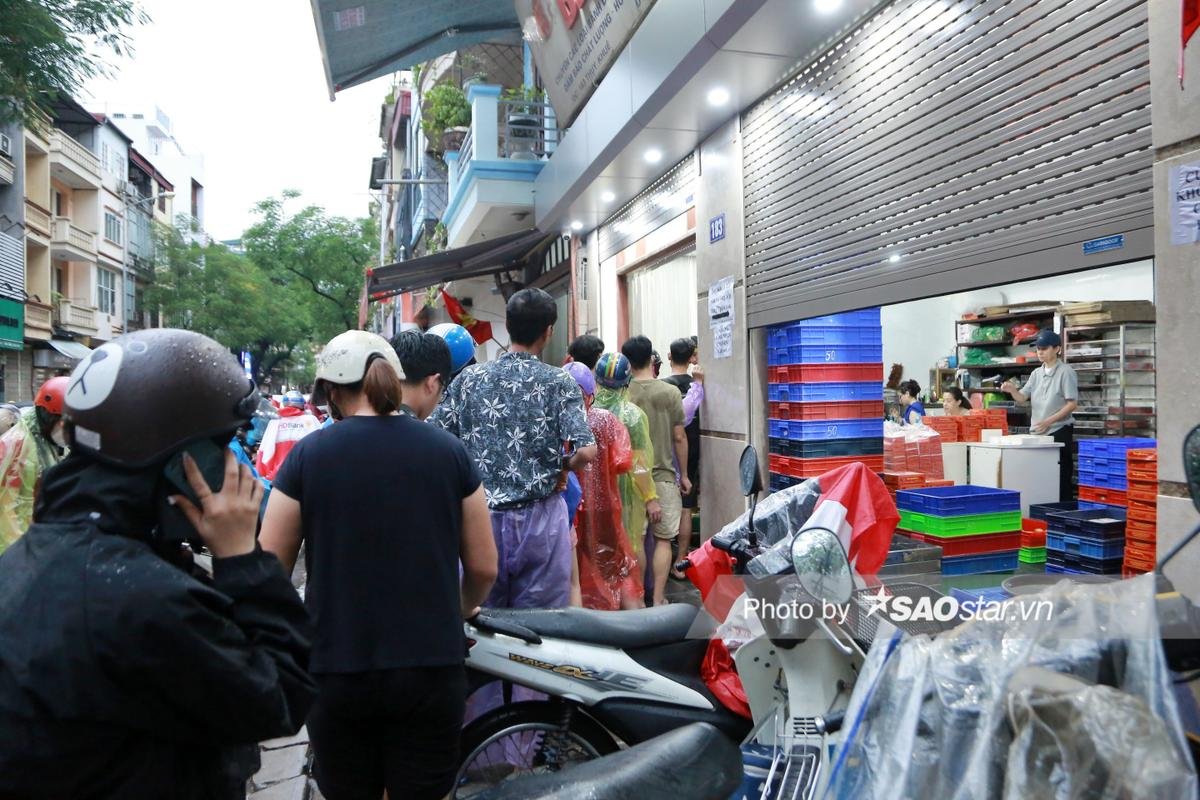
(1133, 569)
(946, 427)
(902, 479)
(1141, 514)
(971, 545)
(830, 373)
(1140, 533)
(1033, 533)
(933, 482)
(857, 409)
(1112, 497)
(1144, 455)
(1140, 552)
(815, 467)
(777, 464)
(1145, 492)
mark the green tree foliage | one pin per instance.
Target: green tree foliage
(52, 47)
(297, 286)
(319, 258)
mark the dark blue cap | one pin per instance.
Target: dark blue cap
(1047, 338)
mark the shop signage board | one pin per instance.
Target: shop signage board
(1106, 243)
(1185, 204)
(574, 42)
(720, 302)
(12, 324)
(716, 228)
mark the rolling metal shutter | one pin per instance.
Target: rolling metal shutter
(12, 267)
(656, 205)
(946, 146)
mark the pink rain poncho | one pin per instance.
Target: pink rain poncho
(637, 485)
(24, 455)
(608, 568)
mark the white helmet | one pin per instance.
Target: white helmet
(346, 358)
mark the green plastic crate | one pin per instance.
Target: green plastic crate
(1032, 555)
(960, 526)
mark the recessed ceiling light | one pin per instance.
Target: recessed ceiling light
(894, 257)
(607, 197)
(653, 155)
(827, 6)
(718, 96)
(576, 225)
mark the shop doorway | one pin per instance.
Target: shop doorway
(661, 302)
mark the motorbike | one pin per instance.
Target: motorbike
(609, 678)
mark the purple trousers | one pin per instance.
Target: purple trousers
(535, 552)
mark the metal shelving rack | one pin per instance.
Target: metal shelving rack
(1018, 415)
(1116, 368)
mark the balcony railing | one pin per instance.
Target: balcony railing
(78, 157)
(8, 171)
(527, 129)
(37, 218)
(68, 233)
(39, 317)
(75, 316)
(39, 132)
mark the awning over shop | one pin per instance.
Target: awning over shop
(469, 261)
(376, 37)
(72, 350)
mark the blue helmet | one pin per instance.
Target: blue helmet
(613, 371)
(293, 399)
(462, 346)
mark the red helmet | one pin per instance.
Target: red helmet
(51, 395)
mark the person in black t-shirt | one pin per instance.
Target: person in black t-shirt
(684, 355)
(386, 507)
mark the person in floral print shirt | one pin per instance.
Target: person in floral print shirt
(515, 415)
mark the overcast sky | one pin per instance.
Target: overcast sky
(243, 84)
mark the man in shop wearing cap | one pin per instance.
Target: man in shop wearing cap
(1053, 394)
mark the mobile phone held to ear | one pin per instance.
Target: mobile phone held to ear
(209, 457)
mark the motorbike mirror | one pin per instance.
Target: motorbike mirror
(821, 565)
(751, 478)
(1191, 464)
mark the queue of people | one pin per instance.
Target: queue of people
(442, 486)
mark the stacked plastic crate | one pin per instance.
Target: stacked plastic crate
(1141, 523)
(1102, 469)
(1090, 541)
(978, 528)
(1033, 541)
(825, 390)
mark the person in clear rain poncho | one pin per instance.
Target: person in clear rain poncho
(27, 449)
(639, 498)
(608, 568)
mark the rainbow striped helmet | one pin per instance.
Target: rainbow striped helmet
(613, 371)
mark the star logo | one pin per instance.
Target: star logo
(879, 602)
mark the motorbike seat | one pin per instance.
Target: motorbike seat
(641, 627)
(695, 761)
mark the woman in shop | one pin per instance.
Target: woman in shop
(1053, 392)
(955, 403)
(914, 411)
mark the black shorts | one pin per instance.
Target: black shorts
(692, 498)
(395, 729)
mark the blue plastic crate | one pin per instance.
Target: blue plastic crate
(777, 428)
(834, 334)
(1040, 511)
(1109, 466)
(778, 356)
(991, 594)
(837, 392)
(1082, 564)
(1106, 523)
(777, 392)
(1056, 569)
(981, 564)
(1102, 480)
(1113, 448)
(958, 501)
(1084, 546)
(865, 316)
(822, 429)
(836, 448)
(835, 353)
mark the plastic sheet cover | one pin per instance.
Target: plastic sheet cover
(777, 516)
(969, 716)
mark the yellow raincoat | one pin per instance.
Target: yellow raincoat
(637, 485)
(24, 455)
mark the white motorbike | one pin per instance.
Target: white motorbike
(614, 678)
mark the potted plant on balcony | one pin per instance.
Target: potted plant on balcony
(445, 118)
(525, 120)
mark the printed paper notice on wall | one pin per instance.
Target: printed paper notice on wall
(1185, 204)
(722, 339)
(720, 302)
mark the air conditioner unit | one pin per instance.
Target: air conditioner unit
(122, 187)
(5, 146)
